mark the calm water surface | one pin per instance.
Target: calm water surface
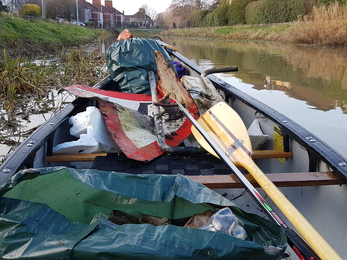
(307, 84)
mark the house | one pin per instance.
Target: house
(106, 16)
(84, 11)
(103, 16)
(118, 17)
(139, 19)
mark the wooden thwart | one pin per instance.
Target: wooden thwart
(89, 157)
(77, 157)
(293, 179)
(267, 154)
(230, 181)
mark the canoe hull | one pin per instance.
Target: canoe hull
(320, 204)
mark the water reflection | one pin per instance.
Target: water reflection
(29, 115)
(316, 75)
(307, 84)
(104, 43)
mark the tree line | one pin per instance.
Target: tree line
(204, 13)
(197, 13)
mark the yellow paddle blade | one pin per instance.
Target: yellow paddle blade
(227, 129)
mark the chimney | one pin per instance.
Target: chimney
(108, 3)
(97, 3)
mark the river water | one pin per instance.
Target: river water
(306, 83)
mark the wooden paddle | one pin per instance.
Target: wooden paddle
(223, 129)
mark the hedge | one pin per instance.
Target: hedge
(274, 11)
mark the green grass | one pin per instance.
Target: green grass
(15, 30)
(23, 39)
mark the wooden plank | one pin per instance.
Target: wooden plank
(294, 179)
(78, 157)
(84, 157)
(266, 154)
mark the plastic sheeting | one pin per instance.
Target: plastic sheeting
(129, 61)
(46, 214)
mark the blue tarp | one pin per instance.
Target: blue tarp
(49, 214)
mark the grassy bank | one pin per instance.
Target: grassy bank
(34, 37)
(324, 26)
(23, 40)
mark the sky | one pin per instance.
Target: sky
(131, 7)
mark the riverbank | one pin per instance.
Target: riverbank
(35, 38)
(325, 26)
(294, 33)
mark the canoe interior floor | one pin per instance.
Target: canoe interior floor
(185, 164)
(208, 170)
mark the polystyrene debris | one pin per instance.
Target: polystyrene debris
(92, 132)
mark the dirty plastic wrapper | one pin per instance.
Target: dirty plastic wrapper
(225, 221)
(51, 213)
(128, 62)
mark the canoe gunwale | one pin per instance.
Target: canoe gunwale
(316, 148)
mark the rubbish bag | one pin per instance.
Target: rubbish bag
(225, 221)
(128, 62)
(52, 213)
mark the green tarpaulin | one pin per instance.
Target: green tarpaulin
(47, 214)
(129, 61)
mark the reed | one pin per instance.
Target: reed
(19, 77)
(23, 80)
(80, 67)
(326, 25)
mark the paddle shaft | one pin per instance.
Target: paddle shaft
(314, 239)
(308, 232)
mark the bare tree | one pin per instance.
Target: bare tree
(54, 9)
(196, 4)
(3, 8)
(65, 9)
(150, 12)
(179, 11)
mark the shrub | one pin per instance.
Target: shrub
(90, 24)
(236, 12)
(210, 19)
(198, 18)
(253, 12)
(31, 10)
(274, 11)
(221, 14)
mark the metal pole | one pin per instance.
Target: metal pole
(77, 15)
(44, 9)
(101, 17)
